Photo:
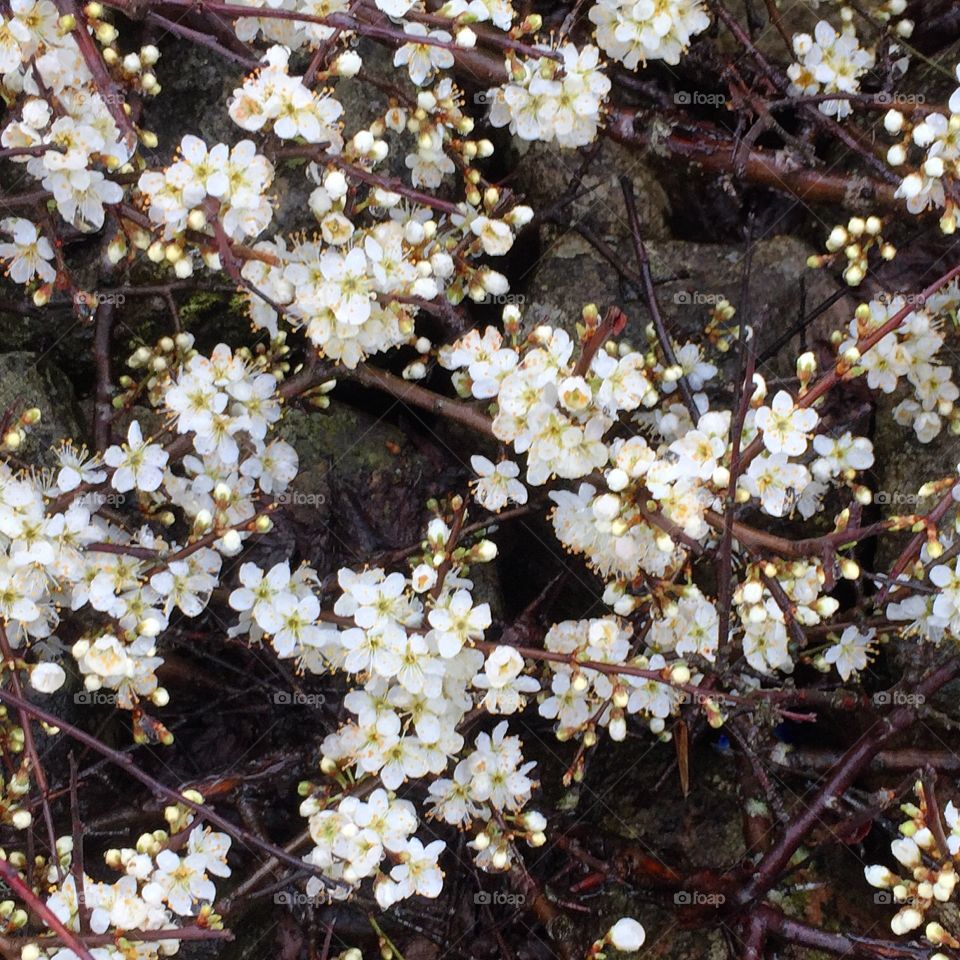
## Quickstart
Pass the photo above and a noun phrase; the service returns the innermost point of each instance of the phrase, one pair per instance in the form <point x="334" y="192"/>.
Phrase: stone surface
<point x="689" y="278"/>
<point x="543" y="172"/>
<point x="359" y="487"/>
<point x="30" y="380"/>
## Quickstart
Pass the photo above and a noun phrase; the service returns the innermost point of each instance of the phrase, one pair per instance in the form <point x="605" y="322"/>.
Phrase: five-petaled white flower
<point x="136" y="464"/>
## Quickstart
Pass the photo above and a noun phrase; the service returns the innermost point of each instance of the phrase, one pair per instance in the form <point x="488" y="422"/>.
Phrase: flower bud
<point x="485" y="551"/>
<point x="231" y="541"/>
<point x="626" y="935"/>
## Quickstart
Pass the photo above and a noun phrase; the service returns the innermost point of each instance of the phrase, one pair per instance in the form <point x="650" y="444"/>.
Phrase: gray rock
<point x="354" y="495"/>
<point x="29" y="380"/>
<point x="544" y="171"/>
<point x="690" y="278"/>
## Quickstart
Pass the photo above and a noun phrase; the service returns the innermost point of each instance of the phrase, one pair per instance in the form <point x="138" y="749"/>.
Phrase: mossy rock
<point x="362" y="485"/>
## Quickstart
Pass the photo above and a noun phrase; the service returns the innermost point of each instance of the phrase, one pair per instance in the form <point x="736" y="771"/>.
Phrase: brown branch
<point x="168" y="793"/>
<point x="417" y="396"/>
<point x="650" y="295"/>
<point x="36" y="767"/>
<point x="109" y="91"/>
<point x="854" y="761"/>
<point x="37" y="907"/>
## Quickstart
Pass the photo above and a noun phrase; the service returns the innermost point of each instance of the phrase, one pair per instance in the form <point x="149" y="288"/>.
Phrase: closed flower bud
<point x="626" y="935"/>
<point x="106" y="33"/>
<point x="752" y="591"/>
<point x="837" y="239"/>
<point x="881" y="877"/>
<point x="485" y="551"/>
<point x="618" y="727"/>
<point x="617" y="479"/>
<point x="906" y="920"/>
<point x="348" y="64"/>
<point x="606" y="506"/>
<point x="21" y="819"/>
<point x="231" y="541"/>
<point x="849" y="569"/>
<point x="896" y="155"/>
<point x="680" y="674"/>
<point x="893" y="121"/>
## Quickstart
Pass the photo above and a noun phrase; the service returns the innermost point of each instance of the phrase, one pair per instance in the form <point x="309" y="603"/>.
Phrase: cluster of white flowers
<point x="688" y="626"/>
<point x="159" y="886"/>
<point x="271" y="97"/>
<point x="545" y="407"/>
<point x="491" y="784"/>
<point x="357" y="293"/>
<point x="829" y="62"/>
<point x="931" y="876"/>
<point x="350" y="302"/>
<point x="354" y="837"/>
<point x="910" y="351"/>
<point x="766" y="629"/>
<point x="582" y="698"/>
<point x="936" y="139"/>
<point x="634" y="32"/>
<point x="51" y="525"/>
<point x="498" y="12"/>
<point x="550" y="100"/>
<point x="409" y="640"/>
<point x="234" y="178"/>
<point x="39" y="60"/>
<point x="658" y="497"/>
